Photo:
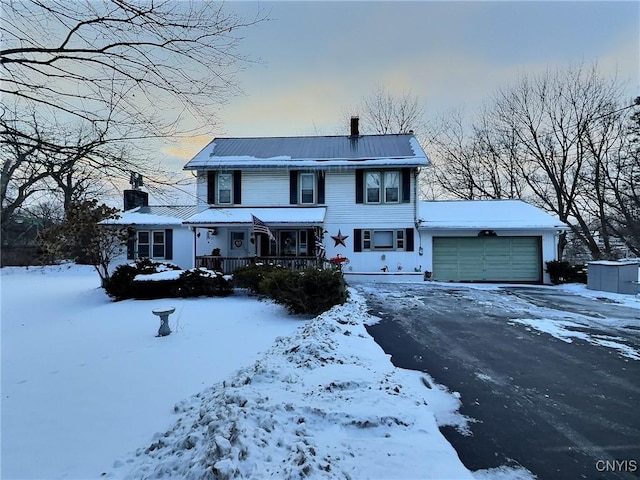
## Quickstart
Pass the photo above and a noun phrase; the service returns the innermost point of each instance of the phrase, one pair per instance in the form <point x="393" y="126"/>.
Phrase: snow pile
<point x="325" y="402"/>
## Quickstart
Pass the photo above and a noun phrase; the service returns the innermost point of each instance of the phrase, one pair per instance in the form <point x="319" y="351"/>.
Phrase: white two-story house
<point x="347" y="197"/>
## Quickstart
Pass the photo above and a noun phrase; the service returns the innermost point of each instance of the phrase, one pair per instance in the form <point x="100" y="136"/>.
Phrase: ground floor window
<point x="288" y="243"/>
<point x="238" y="241"/>
<point x="151" y="244"/>
<point x="383" y="239"/>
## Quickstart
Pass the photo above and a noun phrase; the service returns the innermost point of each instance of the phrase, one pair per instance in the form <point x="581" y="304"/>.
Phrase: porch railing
<point x="228" y="264"/>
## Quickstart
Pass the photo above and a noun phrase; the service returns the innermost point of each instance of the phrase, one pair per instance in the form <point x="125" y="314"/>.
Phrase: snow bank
<point x="325" y="402"/>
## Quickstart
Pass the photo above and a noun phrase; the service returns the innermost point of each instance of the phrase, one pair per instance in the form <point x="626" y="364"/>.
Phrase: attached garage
<point x="487" y="259"/>
<point x="487" y="241"/>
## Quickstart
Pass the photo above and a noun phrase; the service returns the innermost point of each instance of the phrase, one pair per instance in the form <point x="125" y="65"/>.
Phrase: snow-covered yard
<point x="89" y="391"/>
<point x="240" y="388"/>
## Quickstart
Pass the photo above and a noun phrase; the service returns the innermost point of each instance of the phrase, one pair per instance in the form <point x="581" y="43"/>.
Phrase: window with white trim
<point x="391" y="187"/>
<point x="224" y="188"/>
<point x="383" y="240"/>
<point x="382" y="187"/>
<point x="151" y="244"/>
<point x="307" y="188"/>
<point x="372" y="182"/>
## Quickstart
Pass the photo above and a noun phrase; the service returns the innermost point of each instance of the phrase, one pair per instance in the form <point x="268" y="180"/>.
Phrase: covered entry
<point x="487" y="259"/>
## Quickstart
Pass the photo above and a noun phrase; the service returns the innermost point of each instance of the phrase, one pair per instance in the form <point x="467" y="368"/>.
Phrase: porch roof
<point x="272" y="216"/>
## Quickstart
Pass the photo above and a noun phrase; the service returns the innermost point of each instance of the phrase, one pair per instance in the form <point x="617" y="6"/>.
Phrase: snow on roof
<point x="486" y="214"/>
<point x="616" y="263"/>
<point x="155" y="215"/>
<point x="309" y="152"/>
<point x="282" y="215"/>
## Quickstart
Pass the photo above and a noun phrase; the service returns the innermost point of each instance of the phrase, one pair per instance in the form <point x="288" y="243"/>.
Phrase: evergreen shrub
<point x="311" y="291"/>
<point x="564" y="272"/>
<point x="249" y="277"/>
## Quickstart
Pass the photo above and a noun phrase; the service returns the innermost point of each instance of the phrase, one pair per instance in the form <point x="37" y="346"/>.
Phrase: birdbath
<point x="164" y="313"/>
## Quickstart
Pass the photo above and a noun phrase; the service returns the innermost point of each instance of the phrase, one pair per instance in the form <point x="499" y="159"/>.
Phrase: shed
<point x="612" y="276"/>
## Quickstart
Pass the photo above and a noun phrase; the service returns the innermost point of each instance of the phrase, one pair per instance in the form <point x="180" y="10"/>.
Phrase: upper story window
<point x="391" y="187"/>
<point x="373" y="181"/>
<point x="224" y="188"/>
<point x="382" y="186"/>
<point x="225" y="184"/>
<point x="307" y="188"/>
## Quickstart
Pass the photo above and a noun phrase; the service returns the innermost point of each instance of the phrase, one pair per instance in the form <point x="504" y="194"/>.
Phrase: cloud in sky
<point x="319" y="58"/>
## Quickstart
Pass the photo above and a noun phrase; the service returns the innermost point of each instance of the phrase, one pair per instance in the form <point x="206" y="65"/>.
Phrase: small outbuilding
<point x="613" y="276"/>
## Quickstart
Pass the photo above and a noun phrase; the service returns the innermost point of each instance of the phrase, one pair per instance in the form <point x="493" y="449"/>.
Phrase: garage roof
<point x="485" y="214"/>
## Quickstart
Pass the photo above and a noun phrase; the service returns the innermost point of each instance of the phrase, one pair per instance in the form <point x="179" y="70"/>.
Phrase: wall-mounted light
<point x="421" y="251"/>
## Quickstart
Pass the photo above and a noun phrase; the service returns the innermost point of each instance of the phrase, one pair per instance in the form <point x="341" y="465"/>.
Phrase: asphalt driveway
<point x="550" y="381"/>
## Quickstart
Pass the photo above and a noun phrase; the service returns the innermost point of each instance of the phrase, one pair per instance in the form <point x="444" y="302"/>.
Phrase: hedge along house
<point x="488" y="240"/>
<point x="351" y="196"/>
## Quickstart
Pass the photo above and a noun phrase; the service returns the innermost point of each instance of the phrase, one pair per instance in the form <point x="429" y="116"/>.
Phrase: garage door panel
<point x="492" y="259"/>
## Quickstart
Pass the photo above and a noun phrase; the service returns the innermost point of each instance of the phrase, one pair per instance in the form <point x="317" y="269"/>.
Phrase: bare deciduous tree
<point x="128" y="62"/>
<point x="556" y="140"/>
<point x="88" y="84"/>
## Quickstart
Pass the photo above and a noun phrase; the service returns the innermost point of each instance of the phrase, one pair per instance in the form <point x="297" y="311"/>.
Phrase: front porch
<point x="227" y="265"/>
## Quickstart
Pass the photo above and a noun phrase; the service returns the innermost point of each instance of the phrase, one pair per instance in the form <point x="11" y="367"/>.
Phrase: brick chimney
<point x="355" y="130"/>
<point x="135" y="198"/>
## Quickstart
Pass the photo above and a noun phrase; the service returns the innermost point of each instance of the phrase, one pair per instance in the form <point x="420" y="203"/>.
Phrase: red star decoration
<point x="339" y="239"/>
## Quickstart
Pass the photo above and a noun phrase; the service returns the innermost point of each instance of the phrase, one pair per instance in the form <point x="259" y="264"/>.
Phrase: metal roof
<point x="178" y="211"/>
<point x="154" y="215"/>
<point x="321" y="151"/>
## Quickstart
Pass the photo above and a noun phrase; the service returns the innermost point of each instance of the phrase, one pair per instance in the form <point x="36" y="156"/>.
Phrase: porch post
<point x="195" y="253"/>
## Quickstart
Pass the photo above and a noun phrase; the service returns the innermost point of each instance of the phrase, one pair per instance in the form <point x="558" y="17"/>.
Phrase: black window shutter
<point x="131" y="247"/>
<point x="293" y="187"/>
<point x="406" y="185"/>
<point x="320" y="187"/>
<point x="211" y="188"/>
<point x="408" y="239"/>
<point x="168" y="244"/>
<point x="237" y="187"/>
<point x="357" y="239"/>
<point x="359" y="186"/>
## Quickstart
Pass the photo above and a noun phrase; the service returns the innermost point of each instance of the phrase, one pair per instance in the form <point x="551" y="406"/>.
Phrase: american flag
<point x="320" y="251"/>
<point x="260" y="227"/>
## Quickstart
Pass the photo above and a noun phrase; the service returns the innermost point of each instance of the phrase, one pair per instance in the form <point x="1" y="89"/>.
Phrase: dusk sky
<point x="318" y="59"/>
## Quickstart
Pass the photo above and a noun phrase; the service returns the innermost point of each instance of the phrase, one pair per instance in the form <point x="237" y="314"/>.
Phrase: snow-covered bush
<point x="120" y="285"/>
<point x="201" y="282"/>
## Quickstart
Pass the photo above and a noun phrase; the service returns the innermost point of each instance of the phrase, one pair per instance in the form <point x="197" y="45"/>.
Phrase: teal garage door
<point x="487" y="259"/>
